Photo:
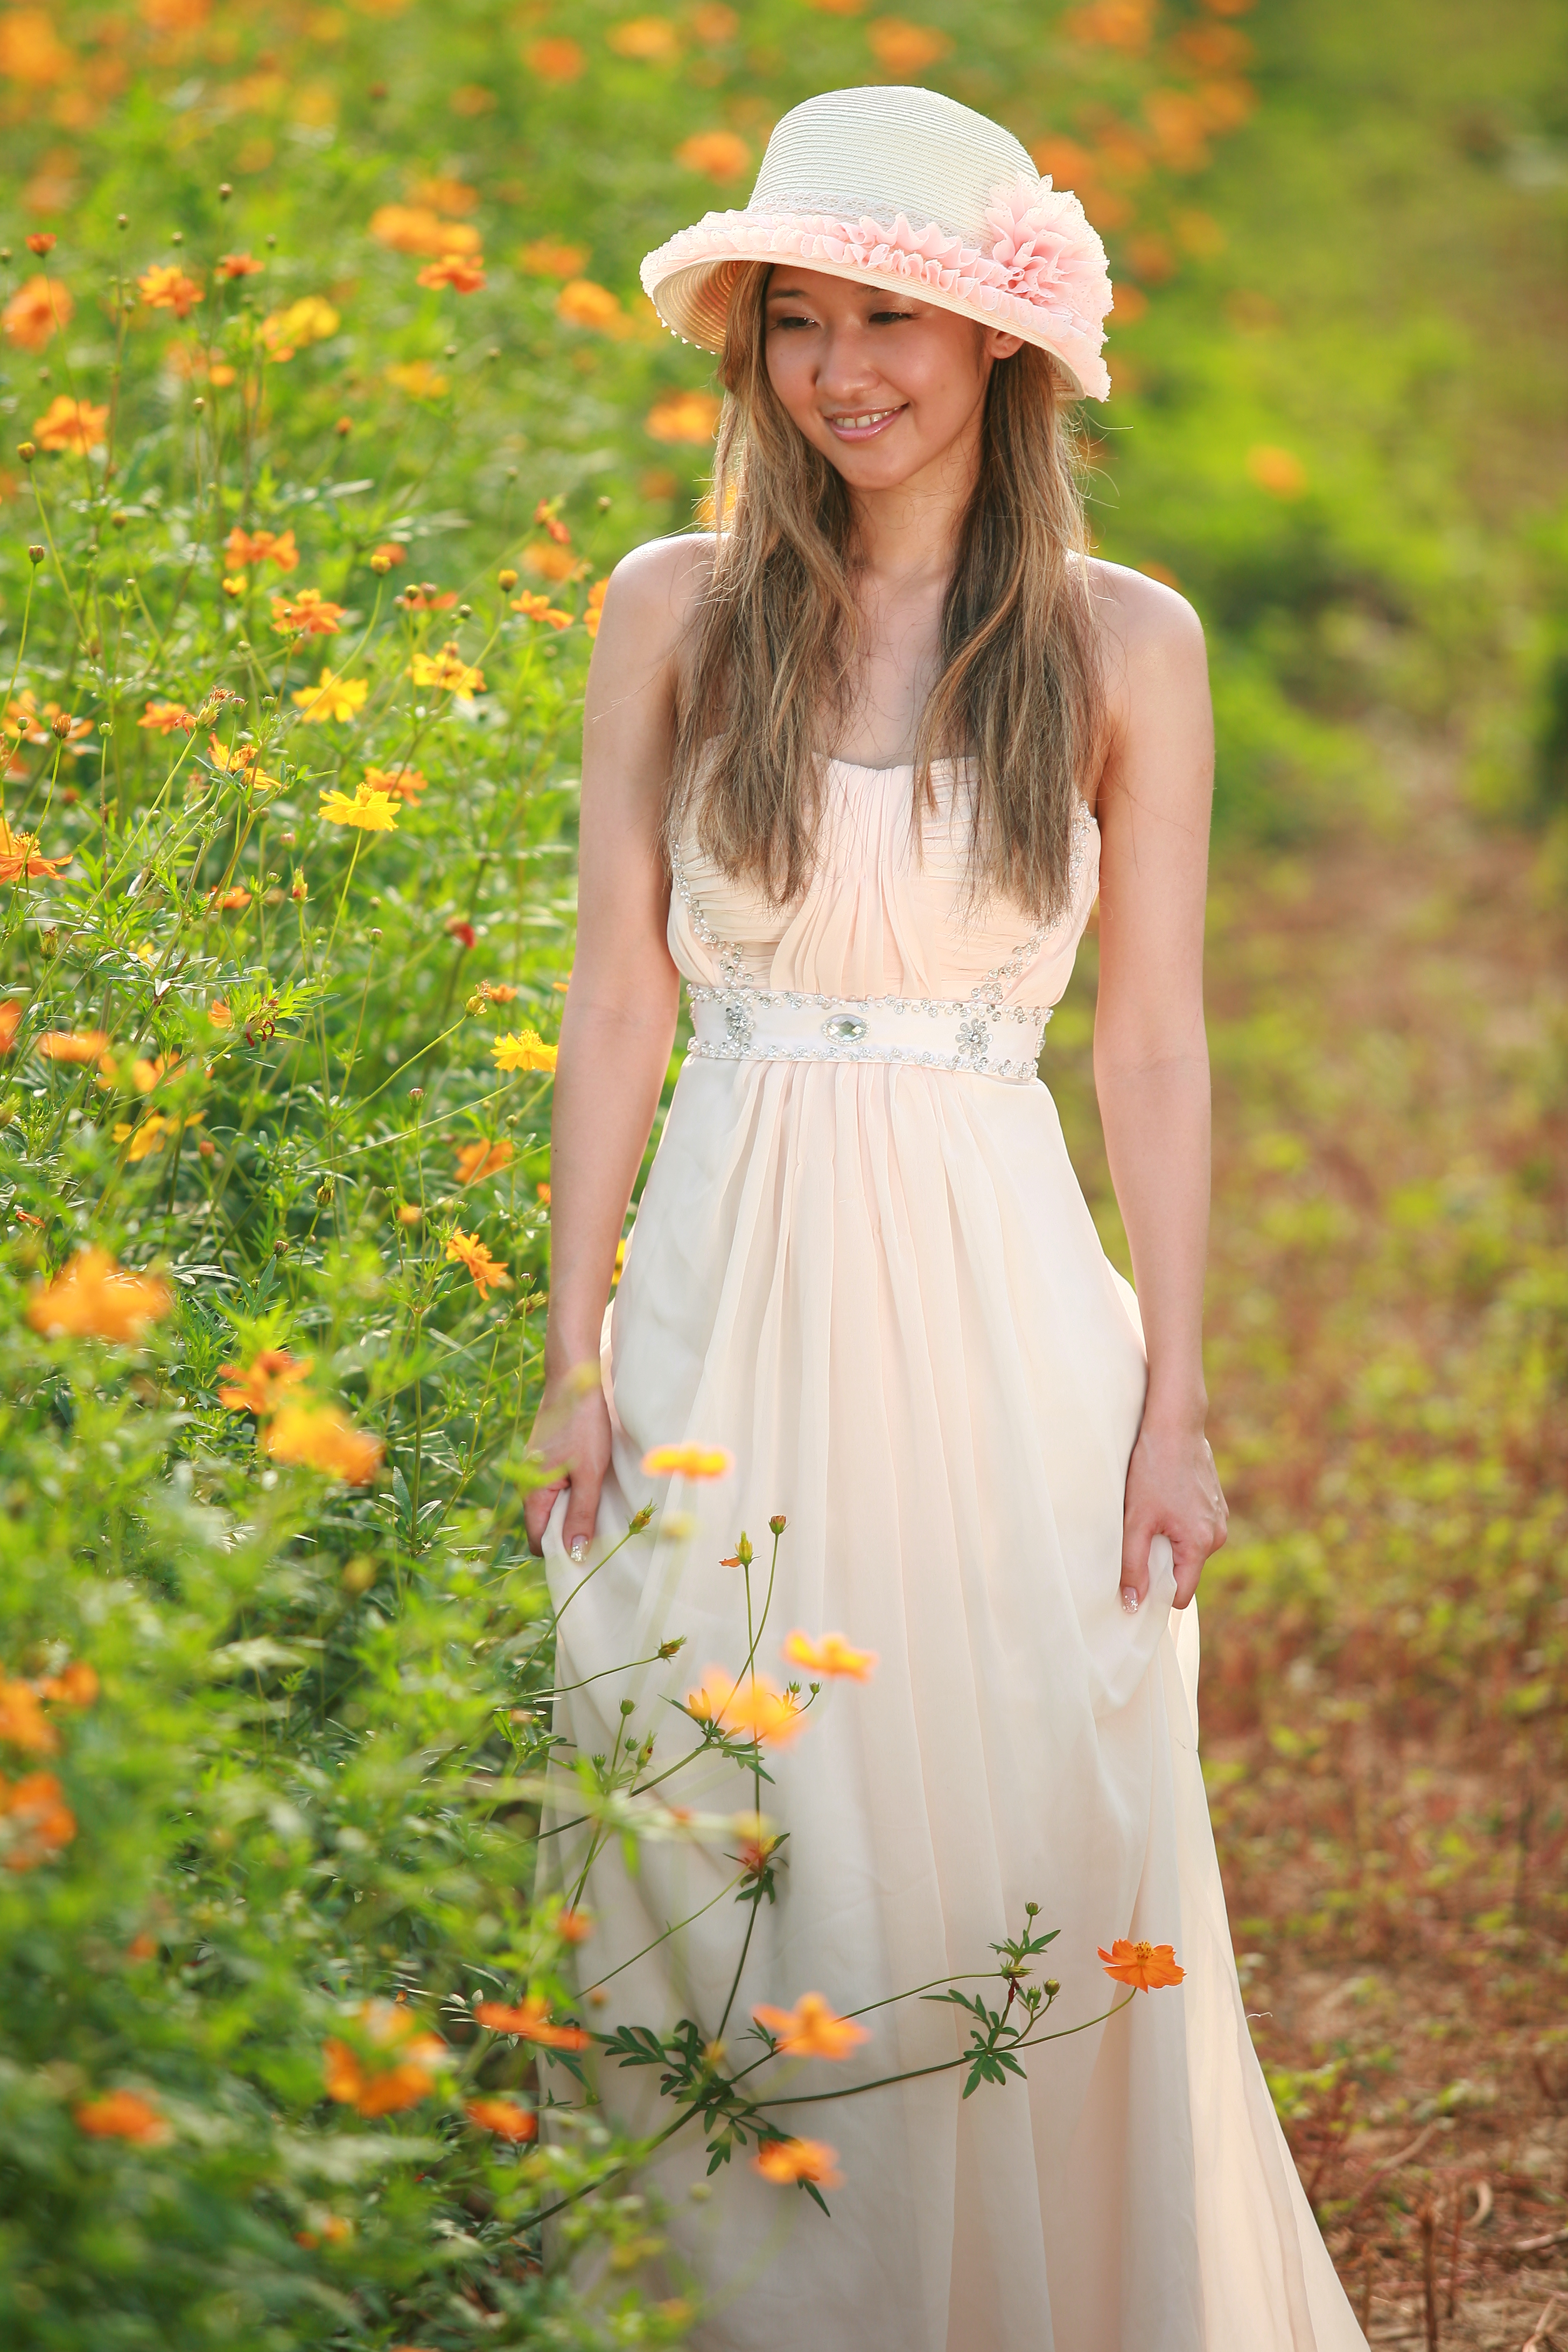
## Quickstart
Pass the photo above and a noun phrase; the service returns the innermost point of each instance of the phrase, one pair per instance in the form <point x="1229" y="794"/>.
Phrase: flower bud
<point x="639" y="1519"/>
<point x="1052" y="1987"/>
<point x="34" y="555"/>
<point x="26" y="452"/>
<point x="119" y="519"/>
<point x="744" y="1551"/>
<point x="506" y="581"/>
<point x="326" y="1192"/>
<point x="474" y="1004"/>
<point x="669" y="1649"/>
<point x="381" y="563"/>
<point x="224" y="192"/>
<point x="297" y="889"/>
<point x="198" y="404"/>
<point x="777" y="1525"/>
<point x="60" y="725"/>
<point x="359" y="1573"/>
<point x="343" y="427"/>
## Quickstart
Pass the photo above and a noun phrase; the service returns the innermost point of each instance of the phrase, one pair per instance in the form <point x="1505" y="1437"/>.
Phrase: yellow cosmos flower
<point x="146" y="1138"/>
<point x="831" y="1655"/>
<point x="687" y="1462"/>
<point x="369" y="810"/>
<point x="448" y="671"/>
<point x="524" y="1049"/>
<point x="331" y="698"/>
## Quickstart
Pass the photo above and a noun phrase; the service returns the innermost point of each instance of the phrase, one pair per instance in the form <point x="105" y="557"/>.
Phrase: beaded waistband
<point x="743" y="1024"/>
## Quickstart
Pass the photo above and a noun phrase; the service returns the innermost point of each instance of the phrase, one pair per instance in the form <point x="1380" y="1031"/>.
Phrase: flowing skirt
<point x="881" y="1289"/>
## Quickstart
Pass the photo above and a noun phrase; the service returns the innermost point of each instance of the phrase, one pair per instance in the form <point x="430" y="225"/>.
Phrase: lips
<point x="863" y="425"/>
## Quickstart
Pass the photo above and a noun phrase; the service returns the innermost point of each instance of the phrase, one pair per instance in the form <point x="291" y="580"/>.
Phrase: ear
<point x="1000" y="346"/>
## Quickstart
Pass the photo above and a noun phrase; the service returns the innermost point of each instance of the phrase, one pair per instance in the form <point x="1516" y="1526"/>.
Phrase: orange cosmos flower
<point x="10" y="1022"/>
<point x="383" y="2090"/>
<point x="582" y="303"/>
<point x="1145" y="1966"/>
<point x="165" y="287"/>
<point x="35" y="311"/>
<point x="535" y="607"/>
<point x="498" y="991"/>
<point x="41" y="241"/>
<point x="76" y="1685"/>
<point x="62" y="1046"/>
<point x="75" y="425"/>
<point x="124" y="2115"/>
<point x="447" y="671"/>
<point x="544" y="258"/>
<point x="389" y="552"/>
<point x="418" y="379"/>
<point x="651" y="39"/>
<point x="574" y="1926"/>
<point x="168" y="718"/>
<point x="554" y="59"/>
<point x="467" y="1249"/>
<point x="905" y="50"/>
<point x="95" y="1299"/>
<point x="530" y="2020"/>
<point x="239" y="264"/>
<point x="417" y="229"/>
<point x="307" y="614"/>
<point x="687" y="1461"/>
<point x="753" y="1710"/>
<point x="247" y="547"/>
<point x="331" y="697"/>
<point x="811" y="2029"/>
<point x="831" y="1655"/>
<point x="319" y="1436"/>
<point x="447" y="195"/>
<point x="786" y="2160"/>
<point x="719" y="155"/>
<point x="477" y="1160"/>
<point x="1278" y="471"/>
<point x="595" y="607"/>
<point x="684" y="416"/>
<point x="19" y="858"/>
<point x="506" y="2117"/>
<point x="400" y="784"/>
<point x="523" y="1049"/>
<point x="34" y="1820"/>
<point x="368" y="812"/>
<point x="239" y="760"/>
<point x="463" y="272"/>
<point x="22" y="1723"/>
<point x="261" y="1386"/>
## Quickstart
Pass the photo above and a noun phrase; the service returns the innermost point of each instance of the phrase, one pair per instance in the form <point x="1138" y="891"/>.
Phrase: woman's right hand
<point x="571" y="1439"/>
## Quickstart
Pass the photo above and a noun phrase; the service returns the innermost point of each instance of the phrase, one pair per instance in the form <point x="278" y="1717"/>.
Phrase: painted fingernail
<point x="1129" y="1601"/>
<point x="579" y="1553"/>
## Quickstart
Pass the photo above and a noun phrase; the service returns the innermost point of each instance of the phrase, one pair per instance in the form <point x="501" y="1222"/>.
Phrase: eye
<point x="784" y="319"/>
<point x="889" y="317"/>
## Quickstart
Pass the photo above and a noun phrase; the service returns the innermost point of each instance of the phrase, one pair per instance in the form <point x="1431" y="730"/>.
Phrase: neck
<point x="910" y="532"/>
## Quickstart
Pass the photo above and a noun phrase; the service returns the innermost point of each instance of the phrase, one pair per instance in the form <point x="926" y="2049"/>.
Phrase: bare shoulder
<point x="1145" y="623"/>
<point x="651" y="594"/>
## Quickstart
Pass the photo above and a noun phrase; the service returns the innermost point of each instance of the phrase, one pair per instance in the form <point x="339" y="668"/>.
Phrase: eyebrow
<point x="787" y="294"/>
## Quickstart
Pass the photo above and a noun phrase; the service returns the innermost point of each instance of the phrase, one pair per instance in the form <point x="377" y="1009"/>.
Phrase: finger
<point x="582" y="1515"/>
<point x="536" y="1513"/>
<point x="1189" y="1565"/>
<point x="1135" y="1543"/>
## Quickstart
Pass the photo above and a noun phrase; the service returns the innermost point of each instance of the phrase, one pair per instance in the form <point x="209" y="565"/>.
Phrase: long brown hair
<point x="772" y="664"/>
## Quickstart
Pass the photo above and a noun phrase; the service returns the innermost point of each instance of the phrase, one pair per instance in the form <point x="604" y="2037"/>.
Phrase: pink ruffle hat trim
<point x="904" y="188"/>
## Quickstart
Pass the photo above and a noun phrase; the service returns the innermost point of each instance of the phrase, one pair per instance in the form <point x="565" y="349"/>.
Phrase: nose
<point x="846" y="368"/>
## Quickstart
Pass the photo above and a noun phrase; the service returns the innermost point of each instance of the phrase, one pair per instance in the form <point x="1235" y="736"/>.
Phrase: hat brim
<point x="693" y="300"/>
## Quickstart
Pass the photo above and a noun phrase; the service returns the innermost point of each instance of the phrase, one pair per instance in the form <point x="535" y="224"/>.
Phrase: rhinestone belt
<point x="742" y="1024"/>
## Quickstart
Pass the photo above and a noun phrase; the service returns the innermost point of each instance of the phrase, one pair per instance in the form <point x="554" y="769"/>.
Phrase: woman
<point x="855" y="767"/>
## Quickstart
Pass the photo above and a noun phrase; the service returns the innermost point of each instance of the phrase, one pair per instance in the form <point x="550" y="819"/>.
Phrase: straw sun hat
<point x="906" y="189"/>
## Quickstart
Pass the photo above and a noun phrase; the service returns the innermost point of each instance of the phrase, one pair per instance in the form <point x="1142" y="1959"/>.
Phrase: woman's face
<point x="884" y="386"/>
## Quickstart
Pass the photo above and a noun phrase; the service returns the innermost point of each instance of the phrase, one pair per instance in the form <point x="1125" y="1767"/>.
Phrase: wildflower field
<point x="330" y="401"/>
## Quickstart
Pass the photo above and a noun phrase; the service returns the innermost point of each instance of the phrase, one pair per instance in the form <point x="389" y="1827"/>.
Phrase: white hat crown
<point x="887" y="152"/>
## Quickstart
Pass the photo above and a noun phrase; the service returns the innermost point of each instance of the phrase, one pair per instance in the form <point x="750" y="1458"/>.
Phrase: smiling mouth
<point x="863" y="424"/>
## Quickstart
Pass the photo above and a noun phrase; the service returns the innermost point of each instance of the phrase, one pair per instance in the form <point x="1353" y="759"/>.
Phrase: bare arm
<point x="1151" y="1053"/>
<point x="620" y="1013"/>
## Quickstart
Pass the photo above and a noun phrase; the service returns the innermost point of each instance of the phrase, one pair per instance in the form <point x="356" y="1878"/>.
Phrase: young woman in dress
<point x="855" y="767"/>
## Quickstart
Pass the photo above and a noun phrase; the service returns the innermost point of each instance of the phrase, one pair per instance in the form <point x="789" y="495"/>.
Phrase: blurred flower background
<point x="330" y="399"/>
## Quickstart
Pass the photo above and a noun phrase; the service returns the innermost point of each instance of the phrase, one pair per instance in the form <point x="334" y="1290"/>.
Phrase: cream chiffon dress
<point x="875" y="1282"/>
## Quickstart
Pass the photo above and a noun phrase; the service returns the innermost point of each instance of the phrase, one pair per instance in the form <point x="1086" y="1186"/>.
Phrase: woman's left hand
<point x="1173" y="1489"/>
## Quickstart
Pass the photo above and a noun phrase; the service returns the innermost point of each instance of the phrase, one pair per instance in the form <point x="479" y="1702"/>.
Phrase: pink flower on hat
<point x="1049" y="253"/>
